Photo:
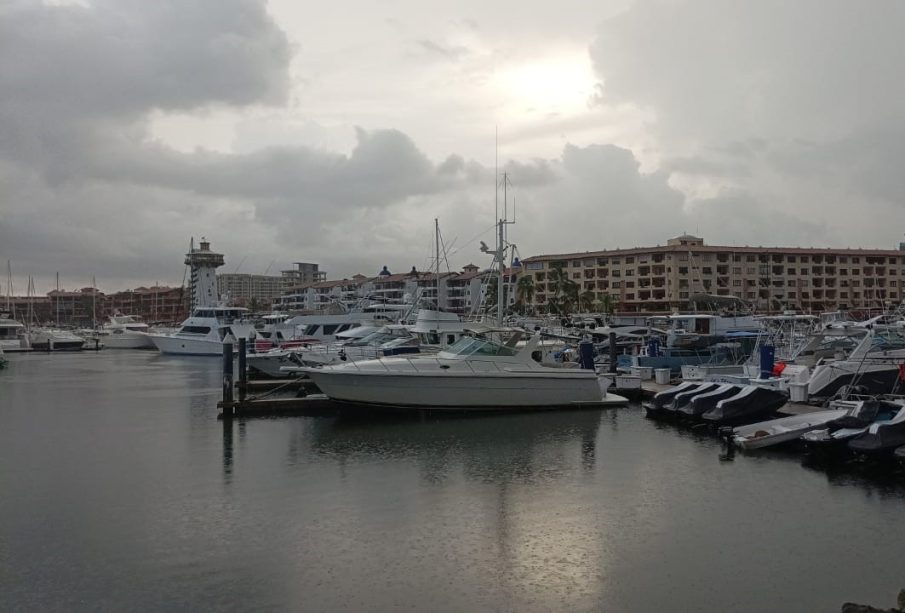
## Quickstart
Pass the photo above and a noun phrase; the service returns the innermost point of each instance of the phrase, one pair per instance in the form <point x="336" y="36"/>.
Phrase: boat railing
<point x="413" y="365"/>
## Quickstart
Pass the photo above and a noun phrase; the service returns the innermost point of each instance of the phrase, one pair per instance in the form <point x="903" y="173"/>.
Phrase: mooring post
<point x="227" y="378"/>
<point x="613" y="356"/>
<point x="243" y="374"/>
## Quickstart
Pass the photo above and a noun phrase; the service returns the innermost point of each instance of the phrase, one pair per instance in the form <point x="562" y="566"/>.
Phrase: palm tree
<point x="606" y="304"/>
<point x="586" y="300"/>
<point x="525" y="290"/>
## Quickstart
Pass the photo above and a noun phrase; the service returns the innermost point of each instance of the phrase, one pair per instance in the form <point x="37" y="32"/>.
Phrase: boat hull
<point x="128" y="340"/>
<point x="457" y="392"/>
<point x="179" y="345"/>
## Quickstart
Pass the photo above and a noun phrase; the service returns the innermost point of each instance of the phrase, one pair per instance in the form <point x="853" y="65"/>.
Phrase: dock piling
<point x="227" y="379"/>
<point x="243" y="373"/>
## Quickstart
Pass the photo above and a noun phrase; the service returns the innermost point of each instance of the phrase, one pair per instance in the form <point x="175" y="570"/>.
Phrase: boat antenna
<point x="437" y="253"/>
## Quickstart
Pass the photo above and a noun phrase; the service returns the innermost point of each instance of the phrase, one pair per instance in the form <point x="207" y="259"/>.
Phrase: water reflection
<point x="490" y="448"/>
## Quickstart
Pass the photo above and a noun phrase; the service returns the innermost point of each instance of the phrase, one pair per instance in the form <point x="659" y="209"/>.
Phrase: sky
<point x="337" y="132"/>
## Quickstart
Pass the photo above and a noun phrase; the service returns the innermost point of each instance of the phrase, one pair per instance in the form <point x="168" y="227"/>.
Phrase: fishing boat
<point x="205" y="332"/>
<point x="782" y="430"/>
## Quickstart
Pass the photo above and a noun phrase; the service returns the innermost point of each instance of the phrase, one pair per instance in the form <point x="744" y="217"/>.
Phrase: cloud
<point x="796" y="105"/>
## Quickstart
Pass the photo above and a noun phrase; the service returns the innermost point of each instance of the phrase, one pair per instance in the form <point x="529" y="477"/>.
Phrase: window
<point x="737" y="270"/>
<point x="576" y="275"/>
<point x="195" y="329"/>
<point x="629" y="260"/>
<point x="750" y="258"/>
<point x="737" y="283"/>
<point x="683" y="270"/>
<point x="535" y="266"/>
<point x="790" y="271"/>
<point x="790" y="259"/>
<point x="576" y="263"/>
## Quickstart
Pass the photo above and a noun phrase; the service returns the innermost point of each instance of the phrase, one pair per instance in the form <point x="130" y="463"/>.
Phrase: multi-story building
<point x="156" y="304"/>
<point x="304" y="273"/>
<point x="771" y="279"/>
<point x="258" y="291"/>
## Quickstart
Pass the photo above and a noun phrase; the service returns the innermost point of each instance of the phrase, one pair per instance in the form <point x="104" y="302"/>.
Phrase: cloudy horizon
<point x="337" y="134"/>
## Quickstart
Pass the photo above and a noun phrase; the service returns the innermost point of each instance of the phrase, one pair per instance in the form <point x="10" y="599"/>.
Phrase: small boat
<point x="682" y="399"/>
<point x="703" y="403"/>
<point x="750" y="404"/>
<point x="838" y="432"/>
<point x="881" y="438"/>
<point x="661" y="399"/>
<point x="782" y="430"/>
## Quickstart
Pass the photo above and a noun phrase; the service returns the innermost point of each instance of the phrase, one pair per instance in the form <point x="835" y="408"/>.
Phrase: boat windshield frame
<point x="472" y="346"/>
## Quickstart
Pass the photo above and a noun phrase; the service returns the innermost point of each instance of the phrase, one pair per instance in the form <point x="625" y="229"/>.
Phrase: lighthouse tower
<point x="203" y="263"/>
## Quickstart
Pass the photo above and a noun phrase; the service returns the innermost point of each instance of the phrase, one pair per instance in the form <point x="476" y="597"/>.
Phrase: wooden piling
<point x="243" y="372"/>
<point x="227" y="379"/>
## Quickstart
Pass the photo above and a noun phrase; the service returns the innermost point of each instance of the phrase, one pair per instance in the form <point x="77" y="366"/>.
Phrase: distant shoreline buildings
<point x="638" y="280"/>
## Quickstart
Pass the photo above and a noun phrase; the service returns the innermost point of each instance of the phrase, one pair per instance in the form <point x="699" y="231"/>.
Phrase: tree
<point x="586" y="300"/>
<point x="565" y="291"/>
<point x="606" y="304"/>
<point x="524" y="290"/>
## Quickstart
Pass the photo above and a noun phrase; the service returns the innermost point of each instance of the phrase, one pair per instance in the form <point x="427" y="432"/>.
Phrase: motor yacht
<point x="206" y="331"/>
<point x="13" y="336"/>
<point x="474" y="373"/>
<point x="54" y="339"/>
<point x="125" y="332"/>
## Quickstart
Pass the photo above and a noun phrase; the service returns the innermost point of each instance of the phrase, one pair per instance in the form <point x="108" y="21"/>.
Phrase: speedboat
<point x="54" y="339"/>
<point x="872" y="367"/>
<point x="13" y="336"/>
<point x="881" y="438"/>
<point x="126" y="332"/>
<point x="474" y="373"/>
<point x="270" y="363"/>
<point x="750" y="404"/>
<point x="836" y="434"/>
<point x="206" y="331"/>
<point x="782" y="430"/>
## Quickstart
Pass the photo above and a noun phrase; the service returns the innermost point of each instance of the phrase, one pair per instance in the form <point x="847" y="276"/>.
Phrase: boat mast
<point x="9" y="287"/>
<point x="437" y="255"/>
<point x="93" y="303"/>
<point x="58" y="300"/>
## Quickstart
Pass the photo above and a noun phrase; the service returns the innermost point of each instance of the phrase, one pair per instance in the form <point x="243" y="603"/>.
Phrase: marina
<point x="140" y="494"/>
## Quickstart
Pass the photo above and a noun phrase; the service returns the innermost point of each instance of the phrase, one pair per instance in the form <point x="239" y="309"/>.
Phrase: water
<point x="120" y="490"/>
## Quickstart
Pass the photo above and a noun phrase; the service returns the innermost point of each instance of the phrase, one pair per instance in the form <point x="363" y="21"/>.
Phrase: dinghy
<point x="783" y="430"/>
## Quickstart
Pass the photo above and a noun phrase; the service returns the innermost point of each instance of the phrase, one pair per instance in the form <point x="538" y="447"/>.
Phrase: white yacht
<point x="205" y="332"/>
<point x="54" y="339"/>
<point x="13" y="336"/>
<point x="474" y="373"/>
<point x="125" y="332"/>
<point x="873" y="365"/>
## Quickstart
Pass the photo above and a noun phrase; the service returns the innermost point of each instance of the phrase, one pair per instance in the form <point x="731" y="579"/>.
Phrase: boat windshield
<point x="477" y="346"/>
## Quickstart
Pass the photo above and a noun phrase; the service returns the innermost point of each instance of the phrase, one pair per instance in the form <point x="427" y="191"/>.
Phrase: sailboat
<point x="51" y="338"/>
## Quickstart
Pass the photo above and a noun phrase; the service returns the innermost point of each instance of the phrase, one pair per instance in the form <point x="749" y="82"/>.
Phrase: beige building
<point x="771" y="279"/>
<point x="241" y="289"/>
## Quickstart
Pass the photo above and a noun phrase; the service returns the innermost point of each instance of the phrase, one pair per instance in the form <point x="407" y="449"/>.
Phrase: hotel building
<point x="771" y="279"/>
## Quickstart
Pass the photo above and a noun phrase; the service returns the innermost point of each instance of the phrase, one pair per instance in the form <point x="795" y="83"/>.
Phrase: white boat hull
<point x="12" y="345"/>
<point x="783" y="430"/>
<point x="458" y="392"/>
<point x="127" y="340"/>
<point x="180" y="345"/>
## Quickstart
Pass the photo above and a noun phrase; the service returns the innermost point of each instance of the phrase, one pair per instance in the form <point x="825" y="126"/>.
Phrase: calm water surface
<point x="120" y="490"/>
